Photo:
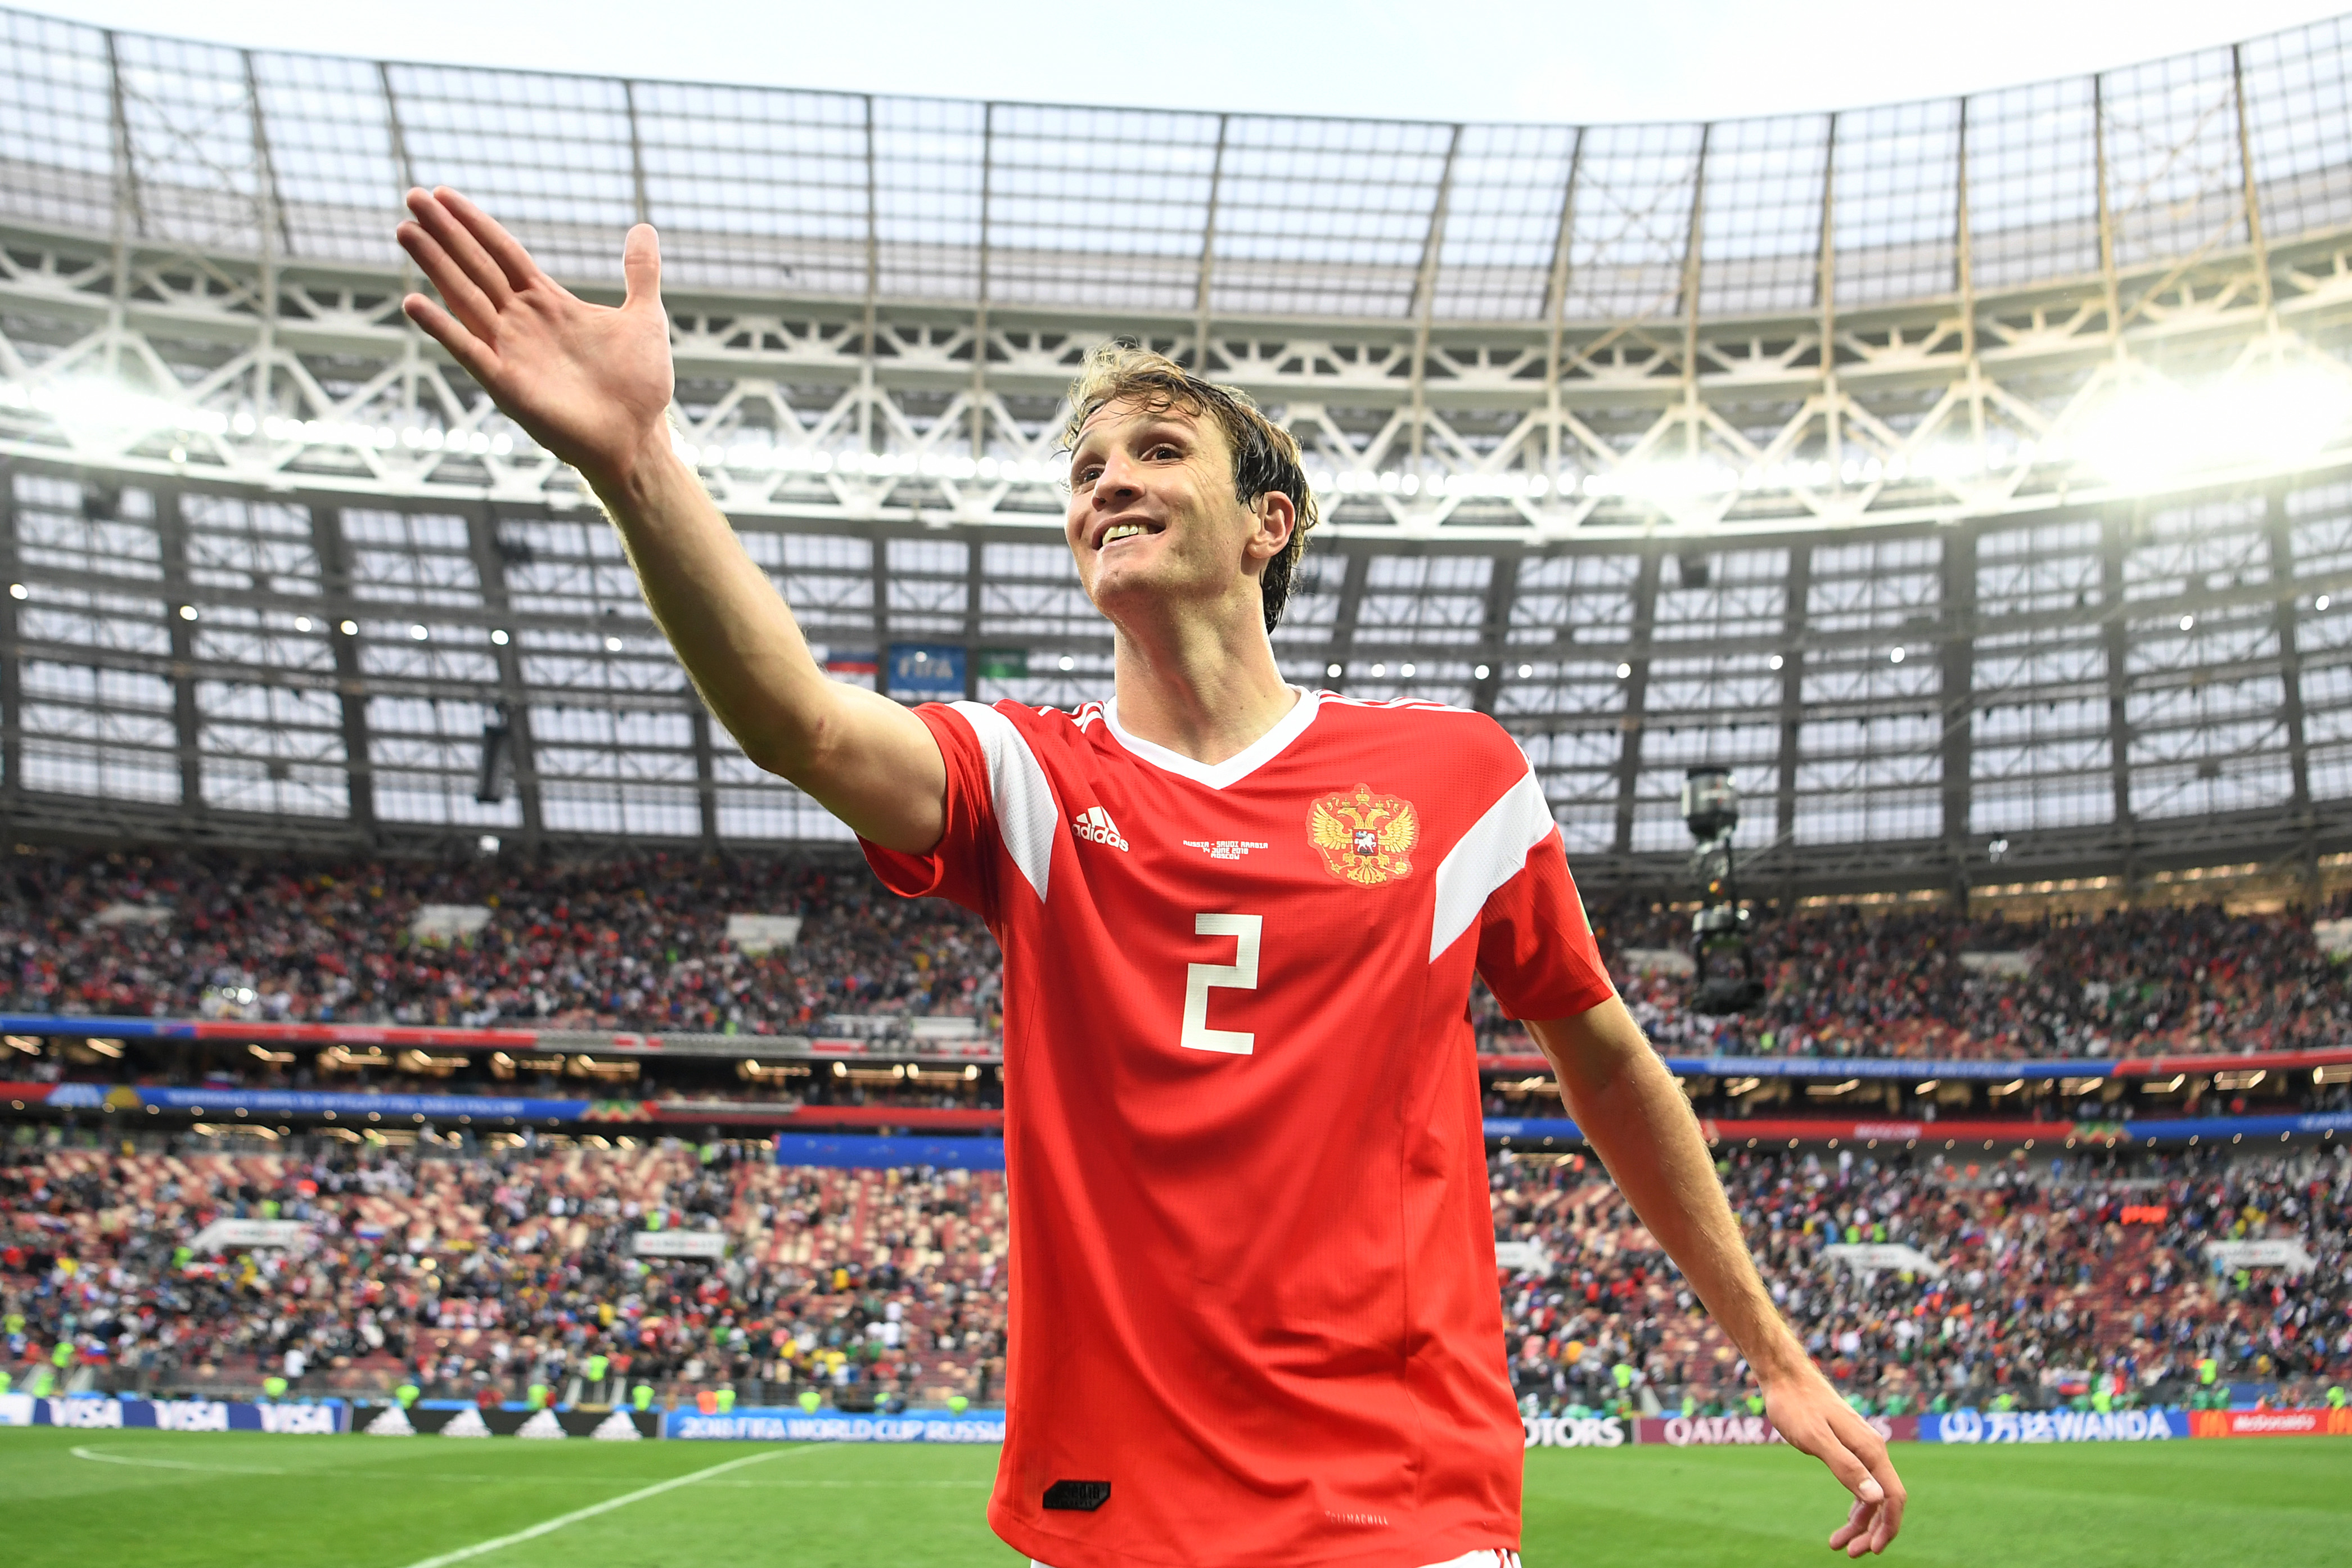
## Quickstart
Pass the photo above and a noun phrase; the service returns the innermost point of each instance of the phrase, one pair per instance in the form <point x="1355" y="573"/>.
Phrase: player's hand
<point x="1809" y="1414"/>
<point x="590" y="383"/>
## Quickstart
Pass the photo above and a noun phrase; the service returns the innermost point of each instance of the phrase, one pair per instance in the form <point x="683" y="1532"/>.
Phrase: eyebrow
<point x="1163" y="418"/>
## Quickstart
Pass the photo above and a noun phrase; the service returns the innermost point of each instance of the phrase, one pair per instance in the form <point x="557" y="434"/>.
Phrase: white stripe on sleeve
<point x="1486" y="857"/>
<point x="1026" y="815"/>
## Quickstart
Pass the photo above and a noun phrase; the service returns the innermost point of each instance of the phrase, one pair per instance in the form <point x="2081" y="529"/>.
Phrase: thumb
<point x="641" y="266"/>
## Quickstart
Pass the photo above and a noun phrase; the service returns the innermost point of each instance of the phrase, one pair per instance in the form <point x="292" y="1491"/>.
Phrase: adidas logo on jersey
<point x="1095" y="823"/>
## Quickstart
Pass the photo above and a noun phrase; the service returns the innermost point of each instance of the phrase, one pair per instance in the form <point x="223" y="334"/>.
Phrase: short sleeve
<point x="962" y="866"/>
<point x="1536" y="949"/>
<point x="1507" y="877"/>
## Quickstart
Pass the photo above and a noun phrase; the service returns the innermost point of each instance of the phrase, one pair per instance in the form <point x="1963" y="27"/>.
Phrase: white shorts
<point x="1489" y="1558"/>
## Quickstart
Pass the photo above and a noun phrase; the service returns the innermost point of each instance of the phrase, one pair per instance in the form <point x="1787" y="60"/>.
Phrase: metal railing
<point x="1189" y="216"/>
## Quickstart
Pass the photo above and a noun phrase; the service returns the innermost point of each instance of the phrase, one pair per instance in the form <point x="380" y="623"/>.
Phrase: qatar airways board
<point x="1747" y="1431"/>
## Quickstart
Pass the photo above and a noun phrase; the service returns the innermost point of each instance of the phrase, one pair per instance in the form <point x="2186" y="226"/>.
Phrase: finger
<point x="513" y="260"/>
<point x="1890" y="1515"/>
<point x="1871" y="1449"/>
<point x="1860" y="1545"/>
<point x="1854" y="1537"/>
<point x="1848" y="1467"/>
<point x="458" y="290"/>
<point x="461" y="244"/>
<point x="450" y="333"/>
<point x="641" y="266"/>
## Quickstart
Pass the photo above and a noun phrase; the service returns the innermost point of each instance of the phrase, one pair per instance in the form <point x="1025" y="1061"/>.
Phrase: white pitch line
<point x="79" y="1453"/>
<point x="546" y="1527"/>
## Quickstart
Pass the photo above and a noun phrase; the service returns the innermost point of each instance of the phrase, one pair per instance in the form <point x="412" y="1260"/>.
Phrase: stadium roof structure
<point x="1972" y="477"/>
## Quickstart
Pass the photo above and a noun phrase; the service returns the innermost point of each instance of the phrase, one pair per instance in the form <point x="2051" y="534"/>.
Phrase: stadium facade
<point x="1972" y="477"/>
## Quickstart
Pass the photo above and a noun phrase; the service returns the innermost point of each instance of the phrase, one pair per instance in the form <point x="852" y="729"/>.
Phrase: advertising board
<point x="679" y="1244"/>
<point x="227" y="1235"/>
<point x="2270" y="1422"/>
<point x="785" y="1425"/>
<point x="1742" y="1431"/>
<point x="878" y="1152"/>
<point x="1874" y="1256"/>
<point x="2055" y="1427"/>
<point x="2282" y="1253"/>
<point x="434" y="1418"/>
<point x="1576" y="1432"/>
<point x="100" y="1414"/>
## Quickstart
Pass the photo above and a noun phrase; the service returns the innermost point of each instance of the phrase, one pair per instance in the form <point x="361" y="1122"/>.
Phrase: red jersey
<point x="1254" y="1308"/>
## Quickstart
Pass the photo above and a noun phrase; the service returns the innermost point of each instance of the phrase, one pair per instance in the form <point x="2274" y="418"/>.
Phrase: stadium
<point x="1911" y="544"/>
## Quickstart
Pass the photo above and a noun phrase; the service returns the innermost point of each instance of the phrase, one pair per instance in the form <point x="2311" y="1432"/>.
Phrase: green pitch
<point x="155" y="1500"/>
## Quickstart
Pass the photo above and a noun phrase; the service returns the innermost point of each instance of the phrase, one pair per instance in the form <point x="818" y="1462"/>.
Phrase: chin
<point x="1113" y="591"/>
<point x="1136" y="586"/>
<point x="1130" y="565"/>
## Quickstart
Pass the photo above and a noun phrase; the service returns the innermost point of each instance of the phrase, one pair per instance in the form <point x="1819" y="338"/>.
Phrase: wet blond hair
<point x="1265" y="456"/>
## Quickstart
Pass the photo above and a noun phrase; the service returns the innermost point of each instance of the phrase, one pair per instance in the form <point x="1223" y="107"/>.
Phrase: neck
<point x="1205" y="689"/>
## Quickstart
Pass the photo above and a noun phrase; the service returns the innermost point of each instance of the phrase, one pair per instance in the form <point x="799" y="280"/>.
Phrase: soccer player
<point x="1254" y="1310"/>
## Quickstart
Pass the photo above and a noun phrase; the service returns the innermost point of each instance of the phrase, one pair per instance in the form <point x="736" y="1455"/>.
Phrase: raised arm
<point x="1626" y="1105"/>
<point x="591" y="385"/>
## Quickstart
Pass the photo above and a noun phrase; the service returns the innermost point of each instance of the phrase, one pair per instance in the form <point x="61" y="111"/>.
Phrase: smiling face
<point x="1155" y="524"/>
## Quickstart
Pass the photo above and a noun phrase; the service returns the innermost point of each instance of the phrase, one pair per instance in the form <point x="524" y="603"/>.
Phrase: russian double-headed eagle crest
<point x="1364" y="838"/>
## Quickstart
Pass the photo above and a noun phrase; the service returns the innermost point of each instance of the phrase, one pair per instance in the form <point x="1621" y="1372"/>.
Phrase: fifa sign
<point x="1575" y="1432"/>
<point x="788" y="1425"/>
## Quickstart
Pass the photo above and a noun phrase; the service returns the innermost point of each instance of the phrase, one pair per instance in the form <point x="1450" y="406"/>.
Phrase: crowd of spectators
<point x="673" y="1083"/>
<point x="2049" y="1282"/>
<point x="1850" y="981"/>
<point x="641" y="944"/>
<point x="630" y="943"/>
<point x="466" y="1267"/>
<point x="459" y="1267"/>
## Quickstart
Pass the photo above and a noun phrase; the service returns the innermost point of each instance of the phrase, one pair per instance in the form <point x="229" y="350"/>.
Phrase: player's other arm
<point x="593" y="385"/>
<point x="1625" y="1103"/>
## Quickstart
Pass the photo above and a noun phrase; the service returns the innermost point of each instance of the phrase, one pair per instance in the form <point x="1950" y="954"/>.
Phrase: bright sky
<point x="1439" y="59"/>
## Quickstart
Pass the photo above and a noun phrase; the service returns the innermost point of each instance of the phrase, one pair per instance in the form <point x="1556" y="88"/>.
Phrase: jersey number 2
<point x="1240" y="974"/>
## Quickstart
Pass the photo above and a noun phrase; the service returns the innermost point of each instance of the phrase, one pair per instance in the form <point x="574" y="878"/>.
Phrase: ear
<point x="1277" y="518"/>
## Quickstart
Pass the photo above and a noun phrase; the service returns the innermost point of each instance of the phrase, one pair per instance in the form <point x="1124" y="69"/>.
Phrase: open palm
<point x="590" y="383"/>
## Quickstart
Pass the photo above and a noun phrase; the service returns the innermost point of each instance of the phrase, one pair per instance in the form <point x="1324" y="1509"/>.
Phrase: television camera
<point x="1725" y="964"/>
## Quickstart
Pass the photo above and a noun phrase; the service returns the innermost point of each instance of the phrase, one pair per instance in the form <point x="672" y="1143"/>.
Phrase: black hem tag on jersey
<point x="1077" y="1497"/>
